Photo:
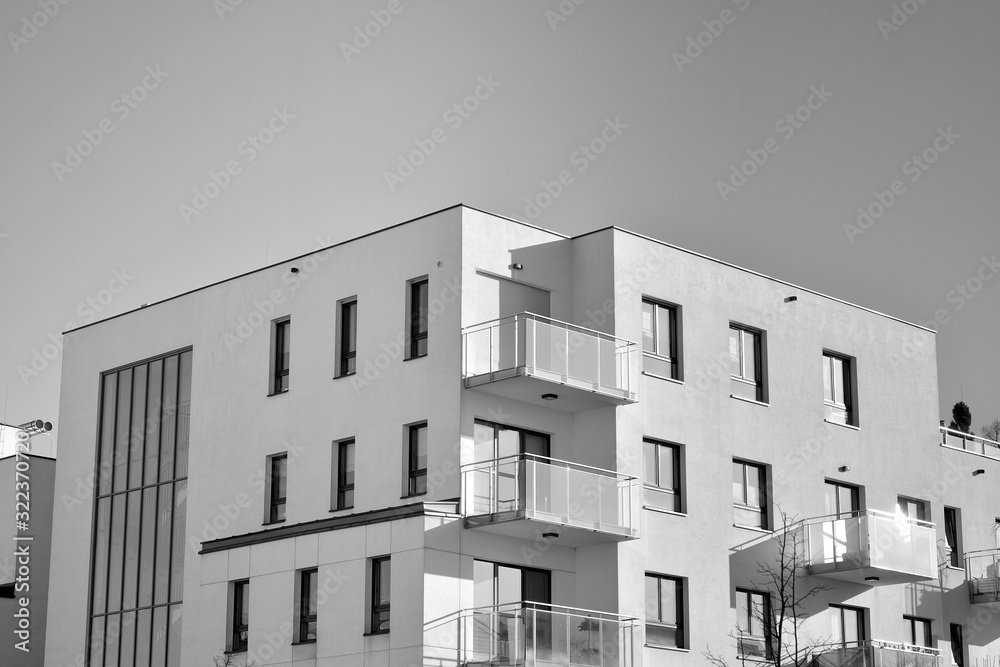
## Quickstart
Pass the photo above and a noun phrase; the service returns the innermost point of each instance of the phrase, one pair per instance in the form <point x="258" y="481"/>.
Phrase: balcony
<point x="969" y="443"/>
<point x="532" y="358"/>
<point x="876" y="653"/>
<point x="873" y="548"/>
<point x="526" y="496"/>
<point x="982" y="571"/>
<point x="531" y="634"/>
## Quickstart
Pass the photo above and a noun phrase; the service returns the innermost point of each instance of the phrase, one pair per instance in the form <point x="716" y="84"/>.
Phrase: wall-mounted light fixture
<point x="844" y="469"/>
<point x="789" y="299"/>
<point x="517" y="266"/>
<point x="976" y="473"/>
<point x="295" y="269"/>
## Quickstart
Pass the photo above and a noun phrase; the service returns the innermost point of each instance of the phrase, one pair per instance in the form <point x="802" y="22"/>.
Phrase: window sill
<point x="756" y="659"/>
<point x="755" y="529"/>
<point x="304" y="642"/>
<point x="661" y="510"/>
<point x="663" y="377"/>
<point x="419" y="356"/>
<point x="277" y="393"/>
<point x="750" y="400"/>
<point x="375" y="634"/>
<point x="955" y="567"/>
<point x="850" y="426"/>
<point x="342" y="509"/>
<point x="344" y="375"/>
<point x="237" y="652"/>
<point x="273" y="523"/>
<point x="668" y="648"/>
<point x="413" y="495"/>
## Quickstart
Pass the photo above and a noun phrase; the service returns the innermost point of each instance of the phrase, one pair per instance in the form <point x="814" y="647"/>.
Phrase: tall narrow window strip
<point x="348" y="337"/>
<point x="837" y="389"/>
<point x="750" y="494"/>
<point x="746" y="364"/>
<point x="241" y="616"/>
<point x="308" y="605"/>
<point x="952" y="529"/>
<point x="279" y="487"/>
<point x="381" y="578"/>
<point x="417" y="464"/>
<point x="662" y="478"/>
<point x="418" y="318"/>
<point x="345" y="475"/>
<point x="664" y="611"/>
<point x="919" y="631"/>
<point x="282" y="350"/>
<point x="140" y="522"/>
<point x="754" y="622"/>
<point x="957" y="645"/>
<point x="659" y="339"/>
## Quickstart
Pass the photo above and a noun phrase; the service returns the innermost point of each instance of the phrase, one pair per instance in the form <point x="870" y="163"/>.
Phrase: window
<point x="282" y="346"/>
<point x="914" y="509"/>
<point x="848" y="625"/>
<point x="918" y="631"/>
<point x="754" y="623"/>
<point x="417" y="460"/>
<point x="749" y="494"/>
<point x="957" y="645"/>
<point x="345" y="475"/>
<point x="307" y="605"/>
<point x="241" y="616"/>
<point x="664" y="611"/>
<point x="348" y="336"/>
<point x="659" y="339"/>
<point x="838" y="389"/>
<point x="662" y="475"/>
<point x="953" y="535"/>
<point x="380" y="595"/>
<point x="842" y="500"/>
<point x="418" y="318"/>
<point x="747" y="368"/>
<point x="279" y="487"/>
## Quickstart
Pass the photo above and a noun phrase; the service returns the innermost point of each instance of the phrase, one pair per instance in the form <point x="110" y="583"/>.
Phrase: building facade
<point x="465" y="440"/>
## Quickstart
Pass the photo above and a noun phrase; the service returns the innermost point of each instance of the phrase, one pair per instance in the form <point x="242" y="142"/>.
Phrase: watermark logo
<point x="697" y="44"/>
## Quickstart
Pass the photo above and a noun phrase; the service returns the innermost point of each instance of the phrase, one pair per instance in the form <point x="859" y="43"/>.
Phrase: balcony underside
<point x="527" y="385"/>
<point x="858" y="574"/>
<point x="576" y="534"/>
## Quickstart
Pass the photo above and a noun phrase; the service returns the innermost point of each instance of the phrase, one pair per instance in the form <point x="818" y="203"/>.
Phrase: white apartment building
<point x="465" y="440"/>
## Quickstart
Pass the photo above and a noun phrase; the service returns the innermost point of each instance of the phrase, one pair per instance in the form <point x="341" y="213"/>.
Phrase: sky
<point x="152" y="148"/>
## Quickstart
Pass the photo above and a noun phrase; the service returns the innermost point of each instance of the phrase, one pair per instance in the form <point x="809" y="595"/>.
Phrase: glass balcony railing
<point x="875" y="653"/>
<point x="969" y="442"/>
<point x="526" y="486"/>
<point x="982" y="571"/>
<point x="878" y="546"/>
<point x="534" y="346"/>
<point x="531" y="634"/>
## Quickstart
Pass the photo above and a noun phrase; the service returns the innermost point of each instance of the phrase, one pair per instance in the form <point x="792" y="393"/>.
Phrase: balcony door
<point x="504" y="632"/>
<point x="841" y="532"/>
<point x="507" y="479"/>
<point x="848" y="625"/>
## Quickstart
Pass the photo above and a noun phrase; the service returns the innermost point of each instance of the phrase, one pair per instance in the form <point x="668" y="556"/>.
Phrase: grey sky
<point x="309" y="117"/>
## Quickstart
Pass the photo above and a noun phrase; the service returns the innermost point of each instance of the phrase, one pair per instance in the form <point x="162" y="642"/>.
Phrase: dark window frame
<point x="680" y="627"/>
<point x="347" y="359"/>
<point x="277" y="504"/>
<point x="923" y="505"/>
<point x="377" y="610"/>
<point x="759" y="381"/>
<point x="765" y="498"/>
<point x="765" y="620"/>
<point x="915" y="622"/>
<point x="847" y="381"/>
<point x="862" y="629"/>
<point x="343" y="486"/>
<point x="677" y="488"/>
<point x="419" y="318"/>
<point x="957" y="644"/>
<point x="672" y="356"/>
<point x="416" y="478"/>
<point x="953" y="535"/>
<point x="280" y="373"/>
<point x="238" y="631"/>
<point x="308" y="588"/>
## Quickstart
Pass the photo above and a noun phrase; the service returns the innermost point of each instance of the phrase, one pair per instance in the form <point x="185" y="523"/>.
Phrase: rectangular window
<point x="848" y="625"/>
<point x="914" y="509"/>
<point x="957" y="645"/>
<point x="918" y="631"/>
<point x="841" y="500"/>
<point x="837" y="389"/>
<point x="664" y="611"/>
<point x="307" y="605"/>
<point x="749" y="494"/>
<point x="380" y="595"/>
<point x="278" y="479"/>
<point x="282" y="347"/>
<point x="345" y="475"/>
<point x="746" y="363"/>
<point x="953" y="535"/>
<point x="241" y="616"/>
<point x="418" y="318"/>
<point x="754" y="623"/>
<point x="348" y="337"/>
<point x="659" y="339"/>
<point x="417" y="460"/>
<point x="662" y="475"/>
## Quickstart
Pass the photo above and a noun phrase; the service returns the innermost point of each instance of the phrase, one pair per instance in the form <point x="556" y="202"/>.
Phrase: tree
<point x="784" y="579"/>
<point x="991" y="431"/>
<point x="226" y="660"/>
<point x="961" y="418"/>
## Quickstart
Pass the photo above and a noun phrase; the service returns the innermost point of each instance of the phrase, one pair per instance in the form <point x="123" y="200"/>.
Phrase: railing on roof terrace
<point x="982" y="571"/>
<point x="969" y="442"/>
<point x="875" y="653"/>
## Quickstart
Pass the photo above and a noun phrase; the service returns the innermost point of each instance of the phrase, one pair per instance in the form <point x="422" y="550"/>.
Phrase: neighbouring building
<point x="466" y="440"/>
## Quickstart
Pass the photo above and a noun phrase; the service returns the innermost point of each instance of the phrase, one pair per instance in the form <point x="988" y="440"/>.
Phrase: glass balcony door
<point x="507" y="444"/>
<point x="503" y="629"/>
<point x="841" y="535"/>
